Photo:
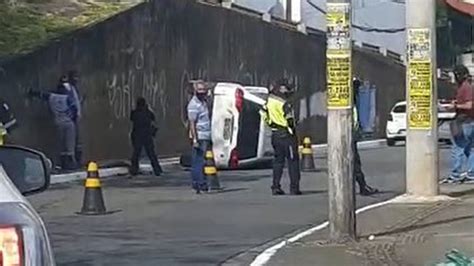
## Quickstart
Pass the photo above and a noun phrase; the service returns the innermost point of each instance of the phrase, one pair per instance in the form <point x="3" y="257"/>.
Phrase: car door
<point x="257" y="97"/>
<point x="400" y="117"/>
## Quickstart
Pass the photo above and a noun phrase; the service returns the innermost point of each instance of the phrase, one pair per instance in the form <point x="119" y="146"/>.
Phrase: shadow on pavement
<point x="309" y="192"/>
<point x="227" y="190"/>
<point x="171" y="181"/>
<point x="458" y="194"/>
<point x="175" y="179"/>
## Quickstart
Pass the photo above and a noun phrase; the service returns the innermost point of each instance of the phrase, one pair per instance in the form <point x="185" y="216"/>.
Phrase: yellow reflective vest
<point x="275" y="115"/>
<point x="3" y="133"/>
<point x="355" y="117"/>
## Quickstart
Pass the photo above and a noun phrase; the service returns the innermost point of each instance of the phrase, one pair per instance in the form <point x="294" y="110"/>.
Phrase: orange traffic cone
<point x="307" y="160"/>
<point x="210" y="172"/>
<point x="93" y="203"/>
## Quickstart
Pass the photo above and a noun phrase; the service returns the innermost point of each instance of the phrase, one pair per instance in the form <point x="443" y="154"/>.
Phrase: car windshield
<point x="399" y="109"/>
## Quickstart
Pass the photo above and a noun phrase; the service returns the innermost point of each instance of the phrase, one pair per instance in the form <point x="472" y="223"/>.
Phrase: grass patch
<point x="24" y="28"/>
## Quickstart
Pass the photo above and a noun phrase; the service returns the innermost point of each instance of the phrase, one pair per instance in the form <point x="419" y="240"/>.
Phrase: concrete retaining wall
<point x="153" y="50"/>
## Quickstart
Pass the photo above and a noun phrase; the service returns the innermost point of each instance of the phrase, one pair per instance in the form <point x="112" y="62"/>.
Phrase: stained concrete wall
<point x="153" y="50"/>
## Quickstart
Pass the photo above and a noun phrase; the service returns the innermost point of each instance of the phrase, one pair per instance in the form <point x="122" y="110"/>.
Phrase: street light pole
<point x="422" y="114"/>
<point x="342" y="223"/>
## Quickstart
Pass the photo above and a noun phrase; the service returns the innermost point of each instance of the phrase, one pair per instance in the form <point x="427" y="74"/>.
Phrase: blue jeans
<point x="199" y="181"/>
<point x="462" y="147"/>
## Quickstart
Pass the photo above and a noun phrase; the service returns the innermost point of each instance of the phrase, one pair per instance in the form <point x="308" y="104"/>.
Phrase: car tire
<point x="390" y="142"/>
<point x="185" y="160"/>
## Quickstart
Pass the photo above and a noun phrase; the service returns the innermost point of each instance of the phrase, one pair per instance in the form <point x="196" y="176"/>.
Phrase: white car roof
<point x="442" y="115"/>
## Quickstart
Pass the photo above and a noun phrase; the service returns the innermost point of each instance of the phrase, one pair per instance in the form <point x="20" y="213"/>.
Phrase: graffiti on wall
<point x="124" y="87"/>
<point x="254" y="78"/>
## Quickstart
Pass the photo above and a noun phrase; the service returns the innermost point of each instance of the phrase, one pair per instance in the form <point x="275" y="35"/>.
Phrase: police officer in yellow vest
<point x="365" y="190"/>
<point x="3" y="133"/>
<point x="278" y="113"/>
<point x="7" y="121"/>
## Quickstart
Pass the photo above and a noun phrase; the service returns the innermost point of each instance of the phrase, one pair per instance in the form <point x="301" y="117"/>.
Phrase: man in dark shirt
<point x="462" y="128"/>
<point x="142" y="137"/>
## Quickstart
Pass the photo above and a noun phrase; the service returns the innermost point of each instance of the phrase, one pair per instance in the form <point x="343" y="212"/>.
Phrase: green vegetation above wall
<point x="27" y="24"/>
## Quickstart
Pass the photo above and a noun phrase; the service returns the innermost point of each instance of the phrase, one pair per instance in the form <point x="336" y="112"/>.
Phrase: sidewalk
<point x="400" y="234"/>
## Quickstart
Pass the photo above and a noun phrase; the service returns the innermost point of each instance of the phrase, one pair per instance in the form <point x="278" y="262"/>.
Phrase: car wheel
<point x="185" y="160"/>
<point x="390" y="142"/>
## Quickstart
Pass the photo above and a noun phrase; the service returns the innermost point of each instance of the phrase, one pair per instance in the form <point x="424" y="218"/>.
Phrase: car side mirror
<point x="28" y="169"/>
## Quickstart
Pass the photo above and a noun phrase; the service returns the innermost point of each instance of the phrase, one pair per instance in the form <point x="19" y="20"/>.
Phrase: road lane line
<point x="267" y="254"/>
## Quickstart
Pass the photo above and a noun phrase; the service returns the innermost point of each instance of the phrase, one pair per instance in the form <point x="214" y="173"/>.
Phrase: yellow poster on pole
<point x="420" y="79"/>
<point x="338" y="64"/>
<point x="339" y="80"/>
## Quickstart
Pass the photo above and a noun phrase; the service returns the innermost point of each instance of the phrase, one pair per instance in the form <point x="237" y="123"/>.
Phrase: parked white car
<point x="240" y="137"/>
<point x="23" y="236"/>
<point x="397" y="123"/>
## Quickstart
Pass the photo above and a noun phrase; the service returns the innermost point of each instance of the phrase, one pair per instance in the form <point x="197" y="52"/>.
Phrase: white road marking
<point x="267" y="254"/>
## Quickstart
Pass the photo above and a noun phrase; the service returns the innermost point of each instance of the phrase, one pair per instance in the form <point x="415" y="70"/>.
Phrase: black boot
<point x="367" y="190"/>
<point x="296" y="192"/>
<point x="277" y="192"/>
<point x="63" y="162"/>
<point x="71" y="162"/>
<point x="78" y="157"/>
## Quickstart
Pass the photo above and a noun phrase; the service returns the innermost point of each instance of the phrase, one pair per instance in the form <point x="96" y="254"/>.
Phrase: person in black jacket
<point x="142" y="136"/>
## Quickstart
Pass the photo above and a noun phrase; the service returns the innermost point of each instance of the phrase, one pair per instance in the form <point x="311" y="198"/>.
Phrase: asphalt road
<point x="160" y="221"/>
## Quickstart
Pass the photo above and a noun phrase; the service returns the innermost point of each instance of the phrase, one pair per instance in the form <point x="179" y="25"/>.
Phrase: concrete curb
<point x="318" y="149"/>
<point x="107" y="172"/>
<point x="406" y="198"/>
<point x="362" y="145"/>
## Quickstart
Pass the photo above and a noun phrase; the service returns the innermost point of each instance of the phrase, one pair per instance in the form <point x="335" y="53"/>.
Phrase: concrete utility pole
<point x="422" y="114"/>
<point x="342" y="224"/>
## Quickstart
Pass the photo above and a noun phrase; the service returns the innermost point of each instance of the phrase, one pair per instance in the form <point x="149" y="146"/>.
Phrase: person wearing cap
<point x="63" y="109"/>
<point x="278" y="114"/>
<point x="358" y="174"/>
<point x="199" y="133"/>
<point x="72" y="87"/>
<point x="462" y="128"/>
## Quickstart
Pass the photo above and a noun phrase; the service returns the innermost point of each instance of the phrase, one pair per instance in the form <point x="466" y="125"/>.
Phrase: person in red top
<point x="462" y="128"/>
